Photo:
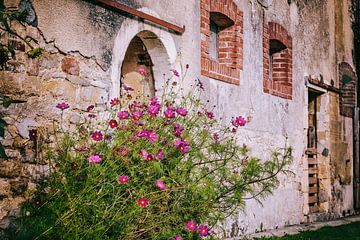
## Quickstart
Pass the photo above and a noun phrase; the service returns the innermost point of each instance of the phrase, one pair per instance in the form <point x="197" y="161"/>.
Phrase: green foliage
<point x="35" y="52"/>
<point x="198" y="173"/>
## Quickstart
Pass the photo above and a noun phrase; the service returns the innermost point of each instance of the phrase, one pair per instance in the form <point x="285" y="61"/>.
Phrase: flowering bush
<point x="157" y="168"/>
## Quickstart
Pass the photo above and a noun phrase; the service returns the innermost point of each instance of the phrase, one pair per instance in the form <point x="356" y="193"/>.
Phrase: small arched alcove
<point x="145" y="51"/>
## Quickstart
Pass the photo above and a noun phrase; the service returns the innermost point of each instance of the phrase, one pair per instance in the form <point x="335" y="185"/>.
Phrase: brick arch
<point x="277" y="73"/>
<point x="229" y="64"/>
<point x="347" y="85"/>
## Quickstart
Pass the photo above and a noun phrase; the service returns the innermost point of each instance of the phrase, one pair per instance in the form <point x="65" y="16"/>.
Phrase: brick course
<point x="348" y="90"/>
<point x="280" y="83"/>
<point x="229" y="64"/>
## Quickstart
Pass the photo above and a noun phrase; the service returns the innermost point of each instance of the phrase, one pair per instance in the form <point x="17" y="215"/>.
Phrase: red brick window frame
<point x="277" y="60"/>
<point x="228" y="64"/>
<point x="347" y="85"/>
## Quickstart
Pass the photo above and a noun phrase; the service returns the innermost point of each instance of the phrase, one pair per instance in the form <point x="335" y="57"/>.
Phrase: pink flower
<point x="90" y="108"/>
<point x="113" y="123"/>
<point x="238" y="121"/>
<point x="127" y="88"/>
<point x="97" y="136"/>
<point x="210" y="115"/>
<point x="151" y="136"/>
<point x="142" y="71"/>
<point x="143" y="202"/>
<point x="160" y="154"/>
<point x="114" y="102"/>
<point x="146" y="156"/>
<point x="154" y="101"/>
<point x="182" y="111"/>
<point x="203" y="230"/>
<point x="191" y="225"/>
<point x="177" y="237"/>
<point x="175" y="72"/>
<point x="160" y="184"/>
<point x="123" y="179"/>
<point x="62" y="106"/>
<point x="178" y="129"/>
<point x="123" y="115"/>
<point x="182" y="144"/>
<point x="169" y="113"/>
<point x="94" y="159"/>
<point x="216" y="136"/>
<point x="153" y="110"/>
<point x="137" y="114"/>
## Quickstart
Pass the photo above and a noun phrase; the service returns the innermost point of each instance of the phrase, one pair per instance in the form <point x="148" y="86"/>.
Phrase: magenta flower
<point x="123" y="115"/>
<point x="178" y="129"/>
<point x="94" y="159"/>
<point x="143" y="202"/>
<point x="182" y="144"/>
<point x="123" y="179"/>
<point x="169" y="113"/>
<point x="160" y="154"/>
<point x="142" y="71"/>
<point x="177" y="237"/>
<point x="97" y="136"/>
<point x="216" y="136"/>
<point x="146" y="156"/>
<point x="167" y="121"/>
<point x="137" y="114"/>
<point x="151" y="135"/>
<point x="238" y="121"/>
<point x="210" y="115"/>
<point x="153" y="110"/>
<point x="114" y="102"/>
<point x="62" y="106"/>
<point x="191" y="225"/>
<point x="160" y="184"/>
<point x="113" y="123"/>
<point x="182" y="112"/>
<point x="127" y="88"/>
<point x="154" y="101"/>
<point x="203" y="230"/>
<point x="175" y="72"/>
<point x="90" y="108"/>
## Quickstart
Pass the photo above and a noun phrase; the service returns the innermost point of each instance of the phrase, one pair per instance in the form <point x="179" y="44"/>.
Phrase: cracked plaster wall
<point x="78" y="67"/>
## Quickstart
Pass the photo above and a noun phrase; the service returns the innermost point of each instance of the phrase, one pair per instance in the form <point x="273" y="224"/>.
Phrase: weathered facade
<point x="287" y="65"/>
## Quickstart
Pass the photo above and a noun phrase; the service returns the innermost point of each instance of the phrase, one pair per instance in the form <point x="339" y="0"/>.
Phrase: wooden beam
<point x="124" y="8"/>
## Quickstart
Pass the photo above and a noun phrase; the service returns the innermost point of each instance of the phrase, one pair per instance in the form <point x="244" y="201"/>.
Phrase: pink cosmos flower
<point x="137" y="114"/>
<point x="97" y="136"/>
<point x="151" y="136"/>
<point x="154" y="101"/>
<point x="178" y="129"/>
<point x="238" y="121"/>
<point x="177" y="237"/>
<point x="147" y="156"/>
<point x="210" y="115"/>
<point x="182" y="144"/>
<point x="90" y="108"/>
<point x="62" y="106"/>
<point x="203" y="230"/>
<point x="160" y="184"/>
<point x="191" y="225"/>
<point x="143" y="202"/>
<point x="142" y="71"/>
<point x="123" y="179"/>
<point x="167" y="121"/>
<point x="160" y="154"/>
<point x="94" y="159"/>
<point x="216" y="136"/>
<point x="114" y="102"/>
<point x="113" y="123"/>
<point x="182" y="112"/>
<point x="123" y="115"/>
<point x="153" y="110"/>
<point x="169" y="113"/>
<point x="175" y="72"/>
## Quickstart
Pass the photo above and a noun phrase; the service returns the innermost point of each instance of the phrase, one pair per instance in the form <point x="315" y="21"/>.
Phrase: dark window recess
<point x="214" y="40"/>
<point x="275" y="48"/>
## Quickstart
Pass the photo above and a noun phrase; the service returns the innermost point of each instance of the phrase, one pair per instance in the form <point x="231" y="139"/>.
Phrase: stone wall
<point x="85" y="46"/>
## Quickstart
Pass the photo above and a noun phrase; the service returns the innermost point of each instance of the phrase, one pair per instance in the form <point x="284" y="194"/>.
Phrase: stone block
<point x="10" y="169"/>
<point x="11" y="3"/>
<point x="70" y="65"/>
<point x="48" y="61"/>
<point x="60" y="88"/>
<point x="94" y="94"/>
<point x="32" y="67"/>
<point x="18" y="187"/>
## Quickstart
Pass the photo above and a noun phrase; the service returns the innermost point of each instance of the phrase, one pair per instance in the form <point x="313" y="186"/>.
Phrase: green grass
<point x="344" y="232"/>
